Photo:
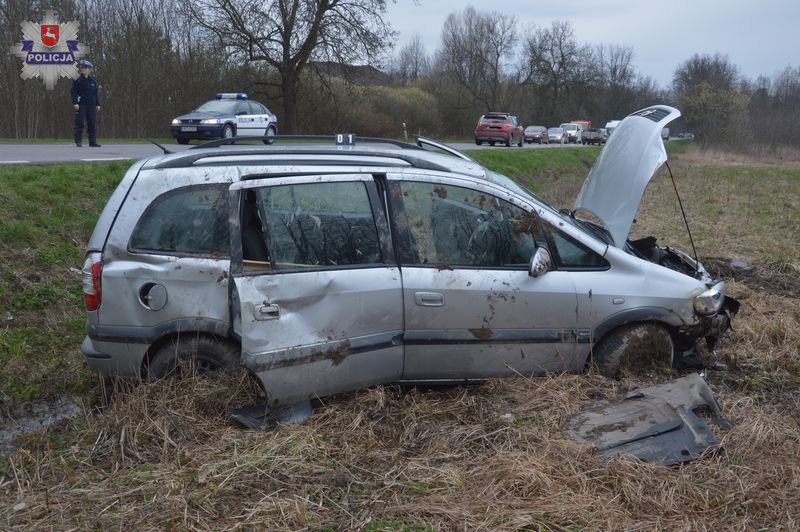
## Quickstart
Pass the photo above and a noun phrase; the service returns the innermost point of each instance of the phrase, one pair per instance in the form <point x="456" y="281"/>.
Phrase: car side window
<point x="572" y="255"/>
<point x="257" y="109"/>
<point x="319" y="225"/>
<point x="457" y="226"/>
<point x="190" y="220"/>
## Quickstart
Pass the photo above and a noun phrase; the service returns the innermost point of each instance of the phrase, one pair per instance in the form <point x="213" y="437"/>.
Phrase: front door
<point x="471" y="309"/>
<point x="318" y="293"/>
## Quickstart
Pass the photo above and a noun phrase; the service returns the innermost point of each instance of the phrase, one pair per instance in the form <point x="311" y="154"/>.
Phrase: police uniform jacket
<point x="84" y="91"/>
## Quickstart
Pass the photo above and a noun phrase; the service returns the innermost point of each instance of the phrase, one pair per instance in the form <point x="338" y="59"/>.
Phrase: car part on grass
<point x="261" y="417"/>
<point x="655" y="424"/>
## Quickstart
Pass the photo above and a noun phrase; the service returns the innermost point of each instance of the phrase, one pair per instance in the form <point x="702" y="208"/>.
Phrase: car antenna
<point x="165" y="150"/>
<point x="685" y="220"/>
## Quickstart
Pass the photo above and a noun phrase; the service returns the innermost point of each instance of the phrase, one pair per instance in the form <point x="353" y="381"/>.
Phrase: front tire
<point x="204" y="354"/>
<point x="635" y="348"/>
<point x="227" y="131"/>
<point x="478" y="142"/>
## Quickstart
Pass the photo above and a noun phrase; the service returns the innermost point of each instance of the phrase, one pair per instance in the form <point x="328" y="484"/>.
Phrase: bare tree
<point x="717" y="71"/>
<point x="707" y="91"/>
<point x="476" y="51"/>
<point x="551" y="58"/>
<point x="412" y="61"/>
<point x="288" y="34"/>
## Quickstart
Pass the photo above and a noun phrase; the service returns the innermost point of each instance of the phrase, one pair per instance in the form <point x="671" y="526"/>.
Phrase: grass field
<point x="483" y="457"/>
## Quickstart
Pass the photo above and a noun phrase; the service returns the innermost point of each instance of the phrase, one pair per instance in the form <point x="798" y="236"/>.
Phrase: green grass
<point x="534" y="168"/>
<point x="48" y="214"/>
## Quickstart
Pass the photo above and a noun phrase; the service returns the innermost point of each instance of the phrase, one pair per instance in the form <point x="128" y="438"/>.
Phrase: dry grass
<point x="488" y="457"/>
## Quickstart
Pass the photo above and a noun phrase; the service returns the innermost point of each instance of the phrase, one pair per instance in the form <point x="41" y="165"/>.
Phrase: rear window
<point x="190" y="220"/>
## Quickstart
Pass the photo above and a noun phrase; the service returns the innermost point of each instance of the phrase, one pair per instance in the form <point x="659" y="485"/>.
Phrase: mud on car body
<point x="325" y="268"/>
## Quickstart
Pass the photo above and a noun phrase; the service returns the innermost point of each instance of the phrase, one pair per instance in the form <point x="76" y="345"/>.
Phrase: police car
<point x="229" y="114"/>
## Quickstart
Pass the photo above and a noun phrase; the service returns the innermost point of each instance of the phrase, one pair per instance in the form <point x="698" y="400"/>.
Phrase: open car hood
<point x="614" y="187"/>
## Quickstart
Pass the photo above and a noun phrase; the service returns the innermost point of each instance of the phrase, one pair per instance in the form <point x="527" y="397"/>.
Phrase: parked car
<point x="557" y="135"/>
<point x="323" y="270"/>
<point x="498" y="127"/>
<point x="594" y="135"/>
<point x="229" y="114"/>
<point x="573" y="132"/>
<point x="537" y="134"/>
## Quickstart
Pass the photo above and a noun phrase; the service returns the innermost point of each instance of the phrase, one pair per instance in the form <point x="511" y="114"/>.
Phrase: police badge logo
<point x="49" y="50"/>
<point x="49" y="34"/>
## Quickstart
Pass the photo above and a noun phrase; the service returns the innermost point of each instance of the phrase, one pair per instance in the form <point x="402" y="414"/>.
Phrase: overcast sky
<point x="759" y="36"/>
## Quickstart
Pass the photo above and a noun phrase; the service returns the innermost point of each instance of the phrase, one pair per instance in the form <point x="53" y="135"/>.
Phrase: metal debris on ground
<point x="656" y="424"/>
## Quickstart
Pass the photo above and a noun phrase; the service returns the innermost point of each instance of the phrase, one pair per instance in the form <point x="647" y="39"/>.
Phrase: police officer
<point x="86" y="102"/>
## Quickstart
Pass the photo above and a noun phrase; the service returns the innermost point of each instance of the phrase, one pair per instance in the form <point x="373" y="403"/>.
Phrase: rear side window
<point x="319" y="225"/>
<point x="191" y="220"/>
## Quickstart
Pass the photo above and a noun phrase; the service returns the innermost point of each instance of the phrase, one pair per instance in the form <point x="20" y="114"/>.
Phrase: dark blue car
<point x="229" y="114"/>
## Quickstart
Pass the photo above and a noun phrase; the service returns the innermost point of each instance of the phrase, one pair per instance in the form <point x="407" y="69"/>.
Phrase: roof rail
<point x="185" y="158"/>
<point x="334" y="138"/>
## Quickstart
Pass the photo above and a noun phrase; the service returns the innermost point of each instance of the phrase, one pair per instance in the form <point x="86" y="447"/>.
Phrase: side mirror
<point x="540" y="262"/>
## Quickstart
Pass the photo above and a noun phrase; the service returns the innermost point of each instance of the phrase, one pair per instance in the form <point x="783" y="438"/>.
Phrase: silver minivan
<point x="323" y="268"/>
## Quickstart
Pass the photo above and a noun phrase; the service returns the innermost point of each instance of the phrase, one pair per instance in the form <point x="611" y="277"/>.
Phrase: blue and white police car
<point x="229" y="114"/>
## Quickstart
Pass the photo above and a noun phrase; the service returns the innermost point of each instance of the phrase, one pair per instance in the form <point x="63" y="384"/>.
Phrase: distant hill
<point x="360" y="74"/>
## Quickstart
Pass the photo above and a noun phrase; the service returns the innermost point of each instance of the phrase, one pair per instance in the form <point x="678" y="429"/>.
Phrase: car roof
<point x="322" y="152"/>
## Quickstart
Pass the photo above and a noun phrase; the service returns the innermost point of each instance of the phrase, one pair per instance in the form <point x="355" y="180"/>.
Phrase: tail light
<point x="92" y="269"/>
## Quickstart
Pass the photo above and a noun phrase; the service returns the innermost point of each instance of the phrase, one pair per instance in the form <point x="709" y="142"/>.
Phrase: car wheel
<point x="202" y="353"/>
<point x="519" y="143"/>
<point x="491" y="143"/>
<point x="634" y="348"/>
<point x="182" y="140"/>
<point x="270" y="132"/>
<point x="227" y="131"/>
<point x="478" y="142"/>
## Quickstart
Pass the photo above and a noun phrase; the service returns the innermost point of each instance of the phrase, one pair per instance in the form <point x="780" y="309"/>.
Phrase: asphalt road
<point x="68" y="152"/>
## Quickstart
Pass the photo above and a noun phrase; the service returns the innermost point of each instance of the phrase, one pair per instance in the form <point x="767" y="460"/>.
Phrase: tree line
<point x="156" y="59"/>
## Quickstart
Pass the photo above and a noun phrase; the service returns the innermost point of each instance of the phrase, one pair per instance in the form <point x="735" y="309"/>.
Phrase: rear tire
<point x="478" y="142"/>
<point x="203" y="353"/>
<point x="182" y="140"/>
<point x="635" y="348"/>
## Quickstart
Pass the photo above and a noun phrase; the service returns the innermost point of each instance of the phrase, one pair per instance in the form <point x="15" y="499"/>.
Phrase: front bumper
<point x="709" y="327"/>
<point x="198" y="131"/>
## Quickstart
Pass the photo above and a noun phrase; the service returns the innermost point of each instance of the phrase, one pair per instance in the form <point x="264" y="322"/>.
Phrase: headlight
<point x="210" y="121"/>
<point x="709" y="302"/>
<point x="176" y="122"/>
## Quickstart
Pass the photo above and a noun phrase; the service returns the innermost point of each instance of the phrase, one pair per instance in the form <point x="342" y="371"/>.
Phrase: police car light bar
<point x="231" y="96"/>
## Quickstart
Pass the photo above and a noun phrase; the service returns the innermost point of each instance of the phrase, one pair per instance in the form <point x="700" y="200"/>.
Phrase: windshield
<point x="584" y="226"/>
<point x="554" y="130"/>
<point x="217" y="106"/>
<point x="571" y="127"/>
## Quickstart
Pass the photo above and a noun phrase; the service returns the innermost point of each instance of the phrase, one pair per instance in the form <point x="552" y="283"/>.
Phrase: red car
<point x="536" y="134"/>
<point x="498" y="127"/>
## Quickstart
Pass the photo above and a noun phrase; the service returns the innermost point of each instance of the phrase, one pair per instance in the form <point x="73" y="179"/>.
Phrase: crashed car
<point x="323" y="268"/>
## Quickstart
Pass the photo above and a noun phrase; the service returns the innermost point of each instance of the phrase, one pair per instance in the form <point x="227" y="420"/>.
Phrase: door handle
<point x="429" y="299"/>
<point x="267" y="312"/>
